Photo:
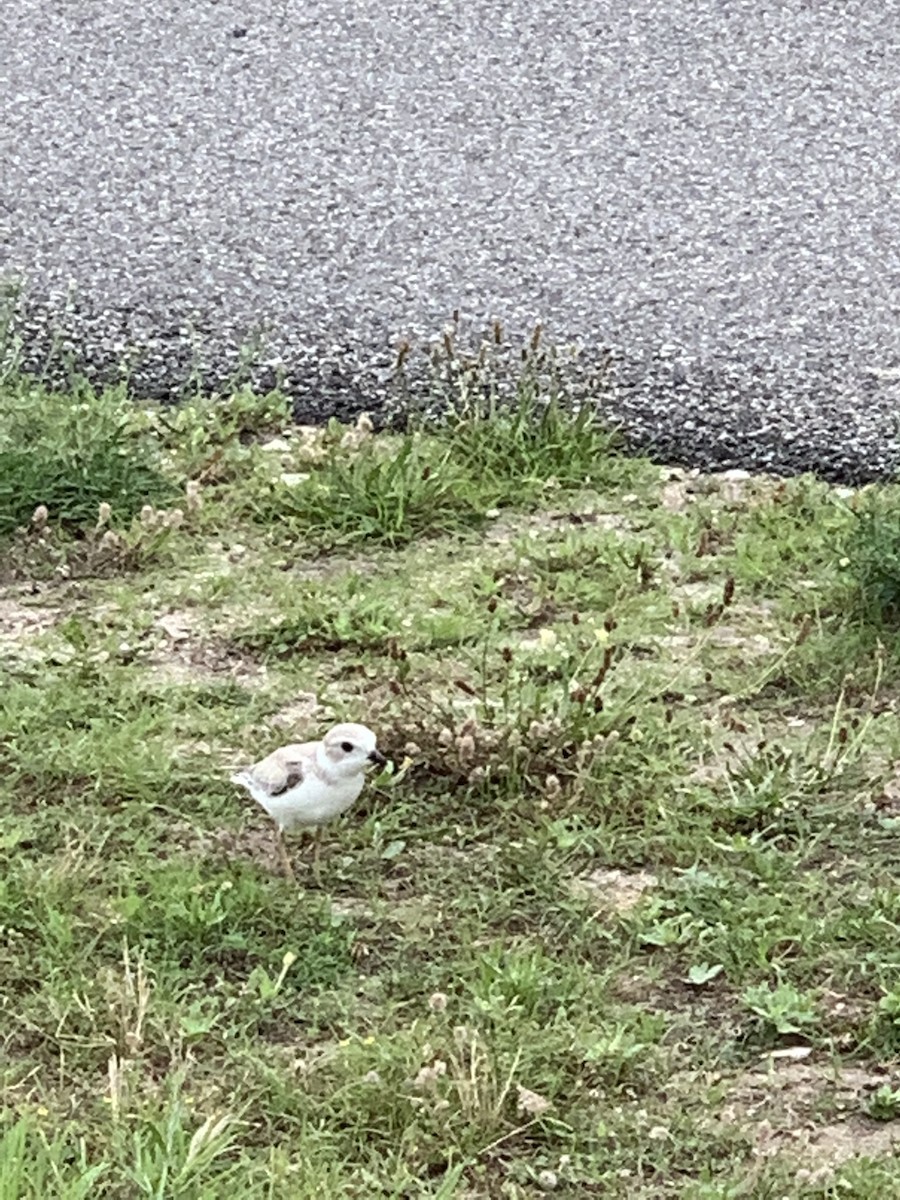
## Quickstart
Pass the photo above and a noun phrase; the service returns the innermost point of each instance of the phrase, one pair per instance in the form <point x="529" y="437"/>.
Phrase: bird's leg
<point x="283" y="854"/>
<point x="317" y="847"/>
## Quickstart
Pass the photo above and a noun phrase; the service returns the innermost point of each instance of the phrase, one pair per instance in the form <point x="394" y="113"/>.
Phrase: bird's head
<point x="350" y="749"/>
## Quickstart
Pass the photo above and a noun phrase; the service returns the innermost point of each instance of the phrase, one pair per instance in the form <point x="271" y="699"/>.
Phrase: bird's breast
<point x="313" y="802"/>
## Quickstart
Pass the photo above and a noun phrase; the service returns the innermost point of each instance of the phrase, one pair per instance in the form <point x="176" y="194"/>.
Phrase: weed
<point x="350" y="619"/>
<point x="531" y="449"/>
<point x="68" y="454"/>
<point x="382" y="495"/>
<point x="168" y="1159"/>
<point x="885" y="1104"/>
<point x="783" y="1007"/>
<point x="209" y="436"/>
<point x="871" y="556"/>
<point x="34" y="1165"/>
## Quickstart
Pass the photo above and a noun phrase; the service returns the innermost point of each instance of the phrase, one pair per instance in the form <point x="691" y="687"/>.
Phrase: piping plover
<point x="308" y="783"/>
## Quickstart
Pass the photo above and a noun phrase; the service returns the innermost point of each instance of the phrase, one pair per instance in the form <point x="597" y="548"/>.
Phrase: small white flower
<point x="428" y="1077"/>
<point x="193" y="500"/>
<point x="532" y="1103"/>
<point x="465" y="747"/>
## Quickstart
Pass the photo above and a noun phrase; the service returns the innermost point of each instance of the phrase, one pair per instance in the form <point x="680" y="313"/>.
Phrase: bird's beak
<point x="377" y="758"/>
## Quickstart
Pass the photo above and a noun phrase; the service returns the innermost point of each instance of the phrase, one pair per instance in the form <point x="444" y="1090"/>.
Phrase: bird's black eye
<point x="346" y="747"/>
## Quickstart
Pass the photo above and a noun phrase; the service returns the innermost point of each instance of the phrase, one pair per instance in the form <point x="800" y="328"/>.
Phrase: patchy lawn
<point x="622" y="921"/>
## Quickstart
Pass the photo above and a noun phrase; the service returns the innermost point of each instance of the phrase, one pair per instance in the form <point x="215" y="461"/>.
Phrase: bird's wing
<point x="284" y="769"/>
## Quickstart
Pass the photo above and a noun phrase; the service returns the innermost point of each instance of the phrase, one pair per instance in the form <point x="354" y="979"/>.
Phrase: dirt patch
<point x="477" y="856"/>
<point x="780" y="1104"/>
<point x="19" y="623"/>
<point x="699" y="592"/>
<point x="754" y="645"/>
<point x="677" y="493"/>
<point x="255" y="843"/>
<point x="735" y="738"/>
<point x="180" y="655"/>
<point x="353" y="908"/>
<point x="785" y="1087"/>
<point x="411" y="913"/>
<point x="737" y="639"/>
<point x="829" y="1147"/>
<point x="613" y="890"/>
<point x="552" y="521"/>
<point x="197" y="668"/>
<point x="719" y="637"/>
<point x="740" y="489"/>
<point x="735" y="488"/>
<point x="177" y="626"/>
<point x="299" y="716"/>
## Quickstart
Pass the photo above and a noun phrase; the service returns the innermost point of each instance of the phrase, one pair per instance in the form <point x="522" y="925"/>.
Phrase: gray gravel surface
<point x="708" y="189"/>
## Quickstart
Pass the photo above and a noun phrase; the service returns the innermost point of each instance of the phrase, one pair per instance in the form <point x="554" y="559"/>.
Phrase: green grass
<point x="625" y="924"/>
<point x="71" y="453"/>
<point x="530" y="449"/>
<point x="872" y="556"/>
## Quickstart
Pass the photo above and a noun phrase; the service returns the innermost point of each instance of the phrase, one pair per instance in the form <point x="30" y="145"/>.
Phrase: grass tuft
<point x="381" y="495"/>
<point x="871" y="557"/>
<point x="522" y="452"/>
<point x="72" y="453"/>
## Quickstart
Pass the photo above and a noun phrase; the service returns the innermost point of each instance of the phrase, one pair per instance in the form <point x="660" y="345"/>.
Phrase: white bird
<point x="309" y="783"/>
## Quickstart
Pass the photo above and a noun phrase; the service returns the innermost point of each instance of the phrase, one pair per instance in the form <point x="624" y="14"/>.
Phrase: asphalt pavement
<point x="706" y="191"/>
